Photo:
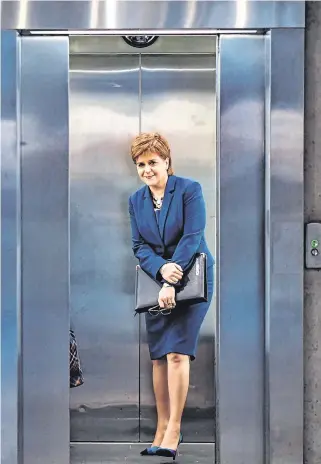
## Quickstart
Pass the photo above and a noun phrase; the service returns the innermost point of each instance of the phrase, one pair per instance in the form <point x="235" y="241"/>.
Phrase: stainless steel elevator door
<point x="178" y="100"/>
<point x="112" y="98"/>
<point x="104" y="116"/>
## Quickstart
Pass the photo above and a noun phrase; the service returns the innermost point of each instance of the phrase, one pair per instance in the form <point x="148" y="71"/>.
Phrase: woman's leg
<point x="178" y="382"/>
<point x="160" y="384"/>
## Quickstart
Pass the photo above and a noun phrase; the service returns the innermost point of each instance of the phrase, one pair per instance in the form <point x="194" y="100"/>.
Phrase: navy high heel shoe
<point x="149" y="451"/>
<point x="170" y="453"/>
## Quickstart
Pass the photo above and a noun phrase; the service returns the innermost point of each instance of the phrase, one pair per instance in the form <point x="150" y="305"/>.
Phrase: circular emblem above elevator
<point x="140" y="41"/>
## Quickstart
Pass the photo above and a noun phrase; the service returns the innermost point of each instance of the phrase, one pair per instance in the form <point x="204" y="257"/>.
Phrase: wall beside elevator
<point x="312" y="197"/>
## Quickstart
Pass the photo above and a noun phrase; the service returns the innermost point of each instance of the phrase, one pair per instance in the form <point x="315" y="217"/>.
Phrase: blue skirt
<point x="178" y="332"/>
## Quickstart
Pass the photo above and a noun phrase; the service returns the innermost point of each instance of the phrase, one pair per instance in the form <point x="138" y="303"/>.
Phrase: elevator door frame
<point x="284" y="44"/>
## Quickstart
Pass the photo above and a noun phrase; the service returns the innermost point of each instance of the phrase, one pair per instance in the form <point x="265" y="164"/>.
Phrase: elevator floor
<point x="101" y="453"/>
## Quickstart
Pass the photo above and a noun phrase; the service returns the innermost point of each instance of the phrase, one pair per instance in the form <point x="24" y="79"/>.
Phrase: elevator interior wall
<point x="115" y="92"/>
<point x="104" y="115"/>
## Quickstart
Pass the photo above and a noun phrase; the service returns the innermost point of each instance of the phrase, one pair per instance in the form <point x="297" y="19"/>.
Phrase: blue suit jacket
<point x="180" y="233"/>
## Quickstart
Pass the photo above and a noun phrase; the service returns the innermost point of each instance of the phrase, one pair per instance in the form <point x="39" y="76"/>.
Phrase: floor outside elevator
<point x="115" y="92"/>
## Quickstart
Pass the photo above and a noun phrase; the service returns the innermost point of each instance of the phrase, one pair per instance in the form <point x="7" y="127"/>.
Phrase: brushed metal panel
<point x="285" y="245"/>
<point x="101" y="453"/>
<point x="150" y="14"/>
<point x="10" y="250"/>
<point x="45" y="237"/>
<point x="104" y="117"/>
<point x="240" y="361"/>
<point x="178" y="100"/>
<point x="164" y="44"/>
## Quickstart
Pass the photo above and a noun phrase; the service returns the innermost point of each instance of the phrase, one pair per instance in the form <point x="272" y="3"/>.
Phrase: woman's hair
<point x="151" y="142"/>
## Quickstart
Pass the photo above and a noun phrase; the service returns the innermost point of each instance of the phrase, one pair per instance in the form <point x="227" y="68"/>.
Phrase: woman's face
<point x="152" y="169"/>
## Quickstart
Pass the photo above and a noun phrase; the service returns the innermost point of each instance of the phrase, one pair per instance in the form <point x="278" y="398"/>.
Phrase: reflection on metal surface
<point x="240" y="362"/>
<point x="181" y="70"/>
<point x="149" y="14"/>
<point x="10" y="252"/>
<point x="83" y="71"/>
<point x="23" y="6"/>
<point x="284" y="246"/>
<point x="111" y="14"/>
<point x="241" y="14"/>
<point x="94" y="13"/>
<point x="45" y="244"/>
<point x="104" y="117"/>
<point x="178" y="100"/>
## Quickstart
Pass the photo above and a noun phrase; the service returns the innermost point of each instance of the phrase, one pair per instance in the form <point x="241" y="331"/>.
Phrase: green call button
<point x="314" y="243"/>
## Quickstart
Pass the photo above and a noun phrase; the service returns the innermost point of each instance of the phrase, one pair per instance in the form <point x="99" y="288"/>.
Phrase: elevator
<point x="116" y="91"/>
<point x="223" y="82"/>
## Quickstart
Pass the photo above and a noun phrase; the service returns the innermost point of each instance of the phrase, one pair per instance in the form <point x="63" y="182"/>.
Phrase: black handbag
<point x="192" y="290"/>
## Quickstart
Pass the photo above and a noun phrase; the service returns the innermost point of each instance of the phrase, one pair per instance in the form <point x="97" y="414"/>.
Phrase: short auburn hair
<point x="151" y="142"/>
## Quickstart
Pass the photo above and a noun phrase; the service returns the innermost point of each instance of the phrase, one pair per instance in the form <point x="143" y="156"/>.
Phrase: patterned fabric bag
<point x="76" y="375"/>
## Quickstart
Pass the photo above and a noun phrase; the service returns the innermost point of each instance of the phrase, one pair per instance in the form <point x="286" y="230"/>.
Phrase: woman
<point x="168" y="221"/>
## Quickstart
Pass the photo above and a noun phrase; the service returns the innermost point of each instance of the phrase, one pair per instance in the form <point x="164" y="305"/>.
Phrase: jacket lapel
<point x="168" y="196"/>
<point x="149" y="214"/>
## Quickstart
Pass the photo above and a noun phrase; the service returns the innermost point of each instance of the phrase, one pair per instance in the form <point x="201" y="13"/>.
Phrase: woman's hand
<point x="166" y="297"/>
<point x="171" y="272"/>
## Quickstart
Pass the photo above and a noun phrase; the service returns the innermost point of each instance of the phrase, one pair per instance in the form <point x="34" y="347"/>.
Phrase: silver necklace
<point x="158" y="202"/>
